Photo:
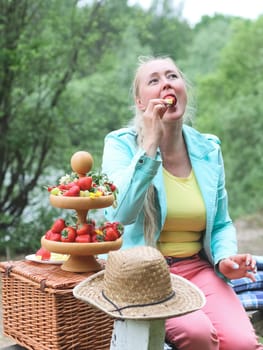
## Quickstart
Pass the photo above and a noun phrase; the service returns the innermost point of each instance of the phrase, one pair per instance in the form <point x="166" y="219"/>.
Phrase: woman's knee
<point x="193" y="333"/>
<point x="241" y="341"/>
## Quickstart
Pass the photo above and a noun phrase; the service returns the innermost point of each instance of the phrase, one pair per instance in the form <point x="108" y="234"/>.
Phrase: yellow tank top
<point x="186" y="217"/>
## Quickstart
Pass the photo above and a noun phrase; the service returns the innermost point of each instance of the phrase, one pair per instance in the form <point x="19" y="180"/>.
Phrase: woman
<point x="172" y="195"/>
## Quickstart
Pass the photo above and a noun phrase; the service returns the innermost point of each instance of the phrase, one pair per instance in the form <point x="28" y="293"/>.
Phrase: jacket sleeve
<point x="132" y="172"/>
<point x="223" y="237"/>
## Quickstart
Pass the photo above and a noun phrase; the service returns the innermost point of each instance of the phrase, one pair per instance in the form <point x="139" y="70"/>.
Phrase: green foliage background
<point x="65" y="77"/>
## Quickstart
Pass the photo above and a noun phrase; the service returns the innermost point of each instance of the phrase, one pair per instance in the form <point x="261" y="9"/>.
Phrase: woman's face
<point x="158" y="79"/>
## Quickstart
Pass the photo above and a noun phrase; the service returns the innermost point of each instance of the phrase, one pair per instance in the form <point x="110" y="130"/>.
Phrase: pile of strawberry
<point x="60" y="231"/>
<point x="92" y="185"/>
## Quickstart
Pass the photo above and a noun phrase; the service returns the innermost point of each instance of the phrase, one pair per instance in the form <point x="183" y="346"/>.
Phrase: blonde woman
<point x="172" y="196"/>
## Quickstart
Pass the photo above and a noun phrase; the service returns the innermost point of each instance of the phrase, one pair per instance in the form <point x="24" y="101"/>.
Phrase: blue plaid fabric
<point x="251" y="293"/>
<point x="252" y="300"/>
<point x="244" y="284"/>
<point x="259" y="260"/>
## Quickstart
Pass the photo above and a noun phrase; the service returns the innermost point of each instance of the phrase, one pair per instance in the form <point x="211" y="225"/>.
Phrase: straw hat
<point x="137" y="284"/>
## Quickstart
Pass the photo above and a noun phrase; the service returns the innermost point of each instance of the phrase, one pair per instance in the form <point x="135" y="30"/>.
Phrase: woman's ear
<point x="140" y="105"/>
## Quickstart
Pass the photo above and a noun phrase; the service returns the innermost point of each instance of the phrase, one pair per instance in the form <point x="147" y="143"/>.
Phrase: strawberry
<point x="105" y="225"/>
<point x="65" y="187"/>
<point x="58" y="225"/>
<point x="94" y="238"/>
<point x="110" y="234"/>
<point x="85" y="183"/>
<point x="48" y="234"/>
<point x="68" y="234"/>
<point x="170" y="100"/>
<point x="83" y="239"/>
<point x="73" y="191"/>
<point x="53" y="236"/>
<point x="113" y="187"/>
<point x="117" y="226"/>
<point x="44" y="253"/>
<point x="85" y="229"/>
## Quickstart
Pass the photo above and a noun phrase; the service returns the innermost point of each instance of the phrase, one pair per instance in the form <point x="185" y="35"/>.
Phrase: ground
<point x="250" y="239"/>
<point x="250" y="235"/>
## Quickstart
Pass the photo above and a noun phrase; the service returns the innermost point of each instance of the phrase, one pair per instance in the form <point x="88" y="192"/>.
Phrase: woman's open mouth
<point x="170" y="100"/>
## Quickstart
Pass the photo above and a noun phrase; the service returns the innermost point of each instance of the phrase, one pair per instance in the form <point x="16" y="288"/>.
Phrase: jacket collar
<point x="198" y="144"/>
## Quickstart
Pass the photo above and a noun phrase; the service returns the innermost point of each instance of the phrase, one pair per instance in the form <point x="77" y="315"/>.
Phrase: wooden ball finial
<point x="81" y="162"/>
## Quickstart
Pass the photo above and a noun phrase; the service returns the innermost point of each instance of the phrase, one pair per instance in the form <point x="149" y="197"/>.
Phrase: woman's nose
<point x="166" y="83"/>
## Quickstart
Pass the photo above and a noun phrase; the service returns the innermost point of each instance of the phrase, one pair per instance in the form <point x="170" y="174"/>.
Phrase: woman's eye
<point x="172" y="76"/>
<point x="153" y="81"/>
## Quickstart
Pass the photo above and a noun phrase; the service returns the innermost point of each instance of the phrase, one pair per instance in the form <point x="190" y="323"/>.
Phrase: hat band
<point x="119" y="309"/>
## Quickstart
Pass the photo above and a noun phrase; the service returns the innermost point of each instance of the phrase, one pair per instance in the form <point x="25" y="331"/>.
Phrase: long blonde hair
<point x="149" y="207"/>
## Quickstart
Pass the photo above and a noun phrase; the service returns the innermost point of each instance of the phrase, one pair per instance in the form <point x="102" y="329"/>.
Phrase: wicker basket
<point x="41" y="313"/>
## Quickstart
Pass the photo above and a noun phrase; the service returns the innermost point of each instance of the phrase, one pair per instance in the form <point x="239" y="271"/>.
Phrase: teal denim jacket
<point x="133" y="171"/>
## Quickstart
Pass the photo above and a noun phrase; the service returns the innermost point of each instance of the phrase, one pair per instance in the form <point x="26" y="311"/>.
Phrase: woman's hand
<point x="238" y="266"/>
<point x="152" y="125"/>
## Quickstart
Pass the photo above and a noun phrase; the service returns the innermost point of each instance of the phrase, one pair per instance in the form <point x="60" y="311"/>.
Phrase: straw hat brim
<point x="187" y="298"/>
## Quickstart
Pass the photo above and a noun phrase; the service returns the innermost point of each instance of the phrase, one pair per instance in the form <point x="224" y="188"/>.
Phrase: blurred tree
<point x="41" y="45"/>
<point x="231" y="105"/>
<point x="210" y="36"/>
<point x="102" y="101"/>
<point x="168" y="33"/>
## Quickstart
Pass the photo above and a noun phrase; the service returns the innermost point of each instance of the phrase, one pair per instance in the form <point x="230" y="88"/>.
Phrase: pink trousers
<point x="222" y="324"/>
